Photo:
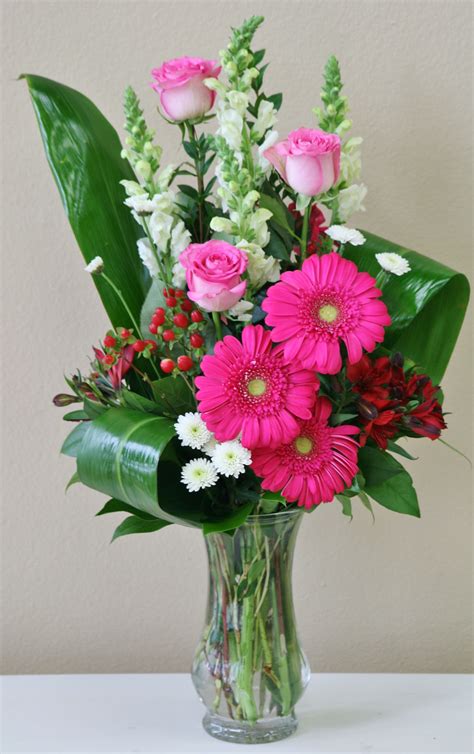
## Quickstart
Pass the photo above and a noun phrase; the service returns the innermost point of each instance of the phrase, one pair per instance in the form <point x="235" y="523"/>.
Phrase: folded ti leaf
<point x="427" y="304"/>
<point x="83" y="151"/>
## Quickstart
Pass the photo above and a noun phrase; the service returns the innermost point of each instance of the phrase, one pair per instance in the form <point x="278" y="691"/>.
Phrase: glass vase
<point x="249" y="669"/>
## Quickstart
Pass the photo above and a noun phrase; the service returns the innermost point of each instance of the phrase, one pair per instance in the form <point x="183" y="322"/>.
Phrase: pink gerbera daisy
<point x="247" y="388"/>
<point x="311" y="310"/>
<point x="318" y="463"/>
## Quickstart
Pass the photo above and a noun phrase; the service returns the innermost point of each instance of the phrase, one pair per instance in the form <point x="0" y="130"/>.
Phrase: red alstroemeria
<point x="370" y="378"/>
<point x="117" y="372"/>
<point x="383" y="427"/>
<point x="317" y="226"/>
<point x="425" y="419"/>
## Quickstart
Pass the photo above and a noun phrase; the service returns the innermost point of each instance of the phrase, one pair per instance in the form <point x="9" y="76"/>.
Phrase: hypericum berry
<point x="159" y="315"/>
<point x="153" y="328"/>
<point x="185" y="363"/>
<point x="181" y="320"/>
<point x="168" y="292"/>
<point x="109" y="359"/>
<point x="151" y="344"/>
<point x="168" y="335"/>
<point x="125" y="333"/>
<point x="196" y="340"/>
<point x="187" y="305"/>
<point x="167" y="365"/>
<point x="196" y="316"/>
<point x="139" y="346"/>
<point x="110" y="341"/>
<point x="171" y="302"/>
<point x="179" y="293"/>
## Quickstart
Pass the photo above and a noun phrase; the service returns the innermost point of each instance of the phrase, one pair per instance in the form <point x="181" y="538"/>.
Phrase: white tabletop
<point x="161" y="713"/>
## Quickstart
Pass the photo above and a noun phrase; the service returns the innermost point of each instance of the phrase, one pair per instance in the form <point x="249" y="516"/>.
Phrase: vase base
<point x="241" y="732"/>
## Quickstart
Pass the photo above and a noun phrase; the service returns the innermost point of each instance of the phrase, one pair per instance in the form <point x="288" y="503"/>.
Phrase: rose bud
<point x="308" y="160"/>
<point x="213" y="274"/>
<point x="179" y="82"/>
<point x="63" y="399"/>
<point x="367" y="410"/>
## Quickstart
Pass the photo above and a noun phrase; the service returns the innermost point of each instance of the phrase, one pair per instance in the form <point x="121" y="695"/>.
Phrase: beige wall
<point x="394" y="596"/>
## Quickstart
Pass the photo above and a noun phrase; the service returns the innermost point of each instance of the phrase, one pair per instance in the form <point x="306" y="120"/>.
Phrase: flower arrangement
<point x="263" y="355"/>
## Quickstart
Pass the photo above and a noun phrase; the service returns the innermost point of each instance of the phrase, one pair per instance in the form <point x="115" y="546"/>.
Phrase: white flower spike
<point x="343" y="234"/>
<point x="198" y="474"/>
<point x="95" y="266"/>
<point x="393" y="263"/>
<point x="191" y="430"/>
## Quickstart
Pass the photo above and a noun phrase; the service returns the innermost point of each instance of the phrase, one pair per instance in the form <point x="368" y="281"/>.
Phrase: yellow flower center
<point x="303" y="445"/>
<point x="328" y="313"/>
<point x="257" y="387"/>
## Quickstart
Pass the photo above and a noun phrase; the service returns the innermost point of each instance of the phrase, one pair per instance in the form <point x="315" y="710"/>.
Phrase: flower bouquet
<point x="263" y="356"/>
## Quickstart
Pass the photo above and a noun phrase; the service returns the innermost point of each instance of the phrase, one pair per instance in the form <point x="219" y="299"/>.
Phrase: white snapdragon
<point x="343" y="234"/>
<point x="238" y="101"/>
<point x="191" y="430"/>
<point x="351" y="164"/>
<point x="95" y="266"/>
<point x="132" y="188"/>
<point x="178" y="277"/>
<point x="198" y="474"/>
<point x="350" y="200"/>
<point x="393" y="263"/>
<point x="140" y="203"/>
<point x="241" y="311"/>
<point x="230" y="458"/>
<point x="262" y="268"/>
<point x="266" y="118"/>
<point x="221" y="225"/>
<point x="180" y="238"/>
<point x="230" y="126"/>
<point x="147" y="255"/>
<point x="270" y="139"/>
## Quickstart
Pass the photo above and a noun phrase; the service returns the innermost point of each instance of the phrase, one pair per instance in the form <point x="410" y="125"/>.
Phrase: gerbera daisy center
<point x="328" y="313"/>
<point x="304" y="445"/>
<point x="257" y="387"/>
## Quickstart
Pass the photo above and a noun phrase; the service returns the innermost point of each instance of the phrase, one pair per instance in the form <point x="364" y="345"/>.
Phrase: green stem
<point x="217" y="324"/>
<point x="304" y="234"/>
<point x="200" y="180"/>
<point x="156" y="254"/>
<point x="119" y="294"/>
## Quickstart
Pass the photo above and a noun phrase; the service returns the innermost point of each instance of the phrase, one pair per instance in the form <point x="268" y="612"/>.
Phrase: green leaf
<point x="154" y="298"/>
<point x="365" y="500"/>
<point x="276" y="100"/>
<point x="83" y="151"/>
<point x="76" y="416"/>
<point x="138" y="402"/>
<point x="73" y="480"/>
<point x="172" y="395"/>
<point x="394" y="448"/>
<point x="387" y="482"/>
<point x="232" y="521"/>
<point x="73" y="441"/>
<point x="281" y="214"/>
<point x="118" y="506"/>
<point x="427" y="305"/>
<point x="135" y="525"/>
<point x="119" y="456"/>
<point x="346" y="505"/>
<point x="93" y="409"/>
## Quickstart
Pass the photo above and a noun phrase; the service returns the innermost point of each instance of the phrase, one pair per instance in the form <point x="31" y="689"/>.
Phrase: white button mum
<point x="343" y="234"/>
<point x="394" y="263"/>
<point x="198" y="474"/>
<point x="95" y="266"/>
<point x="192" y="431"/>
<point x="230" y="458"/>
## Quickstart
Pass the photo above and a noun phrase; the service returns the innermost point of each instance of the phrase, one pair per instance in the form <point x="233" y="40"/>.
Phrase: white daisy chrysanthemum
<point x="198" y="474"/>
<point x="95" y="266"/>
<point x="210" y="446"/>
<point x="192" y="431"/>
<point x="230" y="458"/>
<point x="393" y="263"/>
<point x="343" y="234"/>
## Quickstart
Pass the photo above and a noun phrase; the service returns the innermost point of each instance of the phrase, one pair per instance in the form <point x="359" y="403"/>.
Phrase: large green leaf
<point x="427" y="305"/>
<point x="119" y="455"/>
<point x="83" y="151"/>
<point x="387" y="482"/>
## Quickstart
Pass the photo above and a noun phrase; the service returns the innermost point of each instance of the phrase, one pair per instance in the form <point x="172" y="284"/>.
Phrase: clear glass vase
<point x="249" y="669"/>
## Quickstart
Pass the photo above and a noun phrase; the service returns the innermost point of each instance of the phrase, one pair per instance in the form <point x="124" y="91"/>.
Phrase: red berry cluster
<point x="178" y="323"/>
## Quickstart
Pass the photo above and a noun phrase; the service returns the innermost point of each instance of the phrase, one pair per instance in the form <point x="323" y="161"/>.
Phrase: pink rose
<point x="213" y="274"/>
<point x="179" y="82"/>
<point x="308" y="160"/>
